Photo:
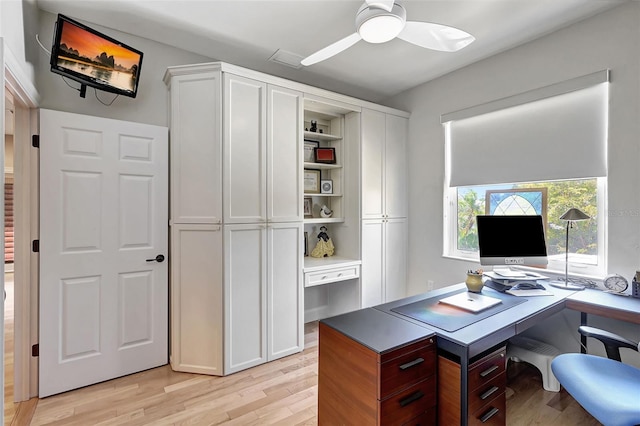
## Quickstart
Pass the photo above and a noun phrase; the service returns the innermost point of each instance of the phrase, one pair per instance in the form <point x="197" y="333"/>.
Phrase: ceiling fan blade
<point x="382" y="4"/>
<point x="331" y="50"/>
<point x="435" y="36"/>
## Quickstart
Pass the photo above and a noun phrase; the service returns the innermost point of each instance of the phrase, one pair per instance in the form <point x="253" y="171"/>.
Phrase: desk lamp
<point x="571" y="215"/>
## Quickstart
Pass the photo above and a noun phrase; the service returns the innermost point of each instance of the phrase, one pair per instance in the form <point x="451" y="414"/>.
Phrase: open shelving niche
<point x="332" y="284"/>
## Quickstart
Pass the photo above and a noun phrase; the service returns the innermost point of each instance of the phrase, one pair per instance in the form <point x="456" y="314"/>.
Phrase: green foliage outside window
<point x="561" y="195"/>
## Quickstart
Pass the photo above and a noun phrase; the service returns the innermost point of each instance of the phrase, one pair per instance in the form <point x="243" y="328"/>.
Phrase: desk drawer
<point x="486" y="368"/>
<point x="494" y="413"/>
<point x="488" y="391"/>
<point x="408" y="404"/>
<point x="407" y="369"/>
<point x="331" y="275"/>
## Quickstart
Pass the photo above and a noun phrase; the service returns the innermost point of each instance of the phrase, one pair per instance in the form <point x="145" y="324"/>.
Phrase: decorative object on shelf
<point x="326" y="186"/>
<point x="309" y="153"/>
<point x="306" y="207"/>
<point x="474" y="281"/>
<point x="571" y="215"/>
<point x="325" y="211"/>
<point x="324" y="247"/>
<point x="314" y="126"/>
<point x="306" y="243"/>
<point x="311" y="181"/>
<point x="325" y="155"/>
<point x="616" y="283"/>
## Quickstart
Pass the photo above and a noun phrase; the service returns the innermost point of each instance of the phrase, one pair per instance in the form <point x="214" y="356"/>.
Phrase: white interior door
<point x="103" y="221"/>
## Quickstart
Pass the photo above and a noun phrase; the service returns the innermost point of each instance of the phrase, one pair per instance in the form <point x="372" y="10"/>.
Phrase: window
<point x="550" y="143"/>
<point x="549" y="199"/>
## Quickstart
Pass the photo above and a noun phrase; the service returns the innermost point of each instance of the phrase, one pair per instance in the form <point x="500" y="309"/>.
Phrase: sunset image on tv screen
<point x="86" y="53"/>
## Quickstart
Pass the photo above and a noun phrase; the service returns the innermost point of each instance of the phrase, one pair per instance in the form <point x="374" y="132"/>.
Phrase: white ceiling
<point x="247" y="33"/>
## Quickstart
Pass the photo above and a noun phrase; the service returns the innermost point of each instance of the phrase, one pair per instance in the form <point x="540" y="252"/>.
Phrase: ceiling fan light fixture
<point x="376" y="25"/>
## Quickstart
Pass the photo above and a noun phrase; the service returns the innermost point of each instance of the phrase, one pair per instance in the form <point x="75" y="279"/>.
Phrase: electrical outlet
<point x="429" y="285"/>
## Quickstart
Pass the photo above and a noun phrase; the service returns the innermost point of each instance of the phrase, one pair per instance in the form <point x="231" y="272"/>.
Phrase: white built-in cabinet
<point x="241" y="288"/>
<point x="384" y="207"/>
<point x="236" y="287"/>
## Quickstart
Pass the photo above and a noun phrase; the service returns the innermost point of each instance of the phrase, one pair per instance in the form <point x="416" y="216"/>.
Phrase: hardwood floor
<point x="282" y="392"/>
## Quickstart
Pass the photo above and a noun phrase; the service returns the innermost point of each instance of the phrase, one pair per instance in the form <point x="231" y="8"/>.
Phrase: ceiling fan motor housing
<point x="377" y="25"/>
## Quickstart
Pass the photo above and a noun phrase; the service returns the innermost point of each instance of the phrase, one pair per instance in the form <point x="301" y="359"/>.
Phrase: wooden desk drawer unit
<point x="487" y="381"/>
<point x="358" y="386"/>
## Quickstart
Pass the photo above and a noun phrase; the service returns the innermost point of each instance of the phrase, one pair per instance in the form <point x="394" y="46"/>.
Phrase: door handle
<point x="159" y="258"/>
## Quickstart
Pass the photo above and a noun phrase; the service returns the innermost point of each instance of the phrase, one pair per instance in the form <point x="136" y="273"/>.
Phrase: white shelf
<point x="321" y="136"/>
<point x="312" y="220"/>
<point x="317" y="194"/>
<point x="322" y="166"/>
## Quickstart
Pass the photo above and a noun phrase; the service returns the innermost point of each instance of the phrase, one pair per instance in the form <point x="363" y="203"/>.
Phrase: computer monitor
<point x="511" y="240"/>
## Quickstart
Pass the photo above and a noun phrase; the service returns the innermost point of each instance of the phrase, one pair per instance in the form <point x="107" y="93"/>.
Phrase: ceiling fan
<point x="379" y="21"/>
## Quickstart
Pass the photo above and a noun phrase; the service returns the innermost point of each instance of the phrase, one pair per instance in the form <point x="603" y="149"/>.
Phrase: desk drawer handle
<point x="489" y="370"/>
<point x="490" y="392"/>
<point x="489" y="414"/>
<point x="412" y="363"/>
<point x="411" y="398"/>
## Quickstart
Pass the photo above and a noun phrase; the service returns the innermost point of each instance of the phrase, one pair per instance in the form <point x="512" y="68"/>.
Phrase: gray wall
<point x="605" y="41"/>
<point x="151" y="104"/>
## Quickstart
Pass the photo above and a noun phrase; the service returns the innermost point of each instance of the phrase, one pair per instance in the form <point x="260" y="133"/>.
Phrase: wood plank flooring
<point x="282" y="392"/>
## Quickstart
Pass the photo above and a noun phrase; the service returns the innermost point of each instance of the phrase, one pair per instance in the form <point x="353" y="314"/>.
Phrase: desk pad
<point x="450" y="318"/>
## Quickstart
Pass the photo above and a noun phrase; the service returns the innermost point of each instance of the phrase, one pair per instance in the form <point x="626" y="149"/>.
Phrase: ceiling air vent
<point x="286" y="58"/>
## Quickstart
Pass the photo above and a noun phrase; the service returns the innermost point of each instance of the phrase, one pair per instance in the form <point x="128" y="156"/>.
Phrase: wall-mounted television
<point x="94" y="59"/>
<point x="511" y="240"/>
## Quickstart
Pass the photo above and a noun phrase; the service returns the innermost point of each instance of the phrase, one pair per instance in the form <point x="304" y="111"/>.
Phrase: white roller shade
<point x="562" y="136"/>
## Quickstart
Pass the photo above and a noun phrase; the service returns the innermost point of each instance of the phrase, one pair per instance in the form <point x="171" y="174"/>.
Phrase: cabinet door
<point x="196" y="299"/>
<point x="196" y="148"/>
<point x="395" y="170"/>
<point x="244" y="138"/>
<point x="372" y="275"/>
<point x="395" y="253"/>
<point x="284" y="155"/>
<point x="285" y="304"/>
<point x="372" y="160"/>
<point x="244" y="296"/>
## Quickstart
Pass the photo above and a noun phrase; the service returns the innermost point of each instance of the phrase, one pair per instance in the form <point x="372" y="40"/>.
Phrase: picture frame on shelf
<point x="311" y="181"/>
<point x="309" y="150"/>
<point x="306" y="243"/>
<point x="325" y="155"/>
<point x="326" y="186"/>
<point x="307" y="206"/>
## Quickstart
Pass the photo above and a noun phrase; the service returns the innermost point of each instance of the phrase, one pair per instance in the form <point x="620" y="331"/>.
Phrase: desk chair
<point x="608" y="389"/>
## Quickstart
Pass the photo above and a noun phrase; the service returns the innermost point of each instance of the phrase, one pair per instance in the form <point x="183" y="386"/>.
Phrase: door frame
<point x="26" y="100"/>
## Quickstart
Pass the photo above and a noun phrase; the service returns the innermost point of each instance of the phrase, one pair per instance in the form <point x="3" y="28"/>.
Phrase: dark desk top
<point x="609" y="305"/>
<point x="377" y="330"/>
<point x="488" y="332"/>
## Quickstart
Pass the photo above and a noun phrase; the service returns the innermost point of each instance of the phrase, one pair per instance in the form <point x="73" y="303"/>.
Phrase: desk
<point x="472" y="344"/>
<point x="603" y="304"/>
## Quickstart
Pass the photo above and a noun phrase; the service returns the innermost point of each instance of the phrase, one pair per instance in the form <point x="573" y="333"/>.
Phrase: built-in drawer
<point x="493" y="413"/>
<point x="410" y="367"/>
<point x="487" y="391"/>
<point x="486" y="368"/>
<point x="331" y="275"/>
<point x="400" y="408"/>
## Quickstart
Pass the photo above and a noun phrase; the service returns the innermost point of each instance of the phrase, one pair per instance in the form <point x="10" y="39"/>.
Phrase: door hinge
<point x="35" y="350"/>
<point x="35" y="246"/>
<point x="35" y="141"/>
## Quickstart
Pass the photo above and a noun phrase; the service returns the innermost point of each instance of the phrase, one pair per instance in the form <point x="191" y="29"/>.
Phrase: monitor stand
<point x="565" y="285"/>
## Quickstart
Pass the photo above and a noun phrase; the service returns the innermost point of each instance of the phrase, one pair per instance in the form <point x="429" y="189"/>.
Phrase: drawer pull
<point x="411" y="398"/>
<point x="490" y="392"/>
<point x="489" y="414"/>
<point x="489" y="370"/>
<point x="324" y="277"/>
<point x="412" y="363"/>
<point x="340" y="274"/>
